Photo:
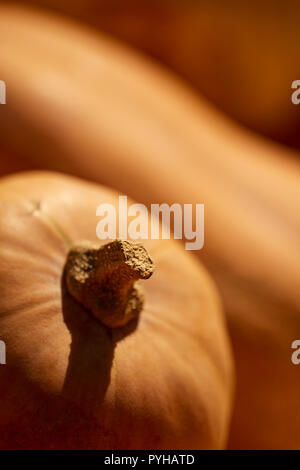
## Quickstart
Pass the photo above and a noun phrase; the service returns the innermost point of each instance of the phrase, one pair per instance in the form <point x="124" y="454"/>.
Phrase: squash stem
<point x="105" y="279"/>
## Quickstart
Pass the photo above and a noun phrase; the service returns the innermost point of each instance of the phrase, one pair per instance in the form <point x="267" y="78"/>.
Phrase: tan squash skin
<point x="101" y="112"/>
<point x="70" y="382"/>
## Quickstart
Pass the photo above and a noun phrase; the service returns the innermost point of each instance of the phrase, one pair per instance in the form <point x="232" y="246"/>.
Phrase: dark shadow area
<point x="91" y="354"/>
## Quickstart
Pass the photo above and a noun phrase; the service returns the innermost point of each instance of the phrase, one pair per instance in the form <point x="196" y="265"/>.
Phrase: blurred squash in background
<point x="242" y="56"/>
<point x="81" y="103"/>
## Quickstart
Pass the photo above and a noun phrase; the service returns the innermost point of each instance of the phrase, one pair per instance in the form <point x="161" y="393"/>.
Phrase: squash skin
<point x="145" y="134"/>
<point x="70" y="382"/>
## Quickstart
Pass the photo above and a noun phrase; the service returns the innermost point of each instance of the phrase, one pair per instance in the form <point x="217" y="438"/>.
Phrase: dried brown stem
<point x="104" y="279"/>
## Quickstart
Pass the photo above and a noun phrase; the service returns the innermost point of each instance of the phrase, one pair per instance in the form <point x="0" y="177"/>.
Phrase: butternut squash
<point x="240" y="55"/>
